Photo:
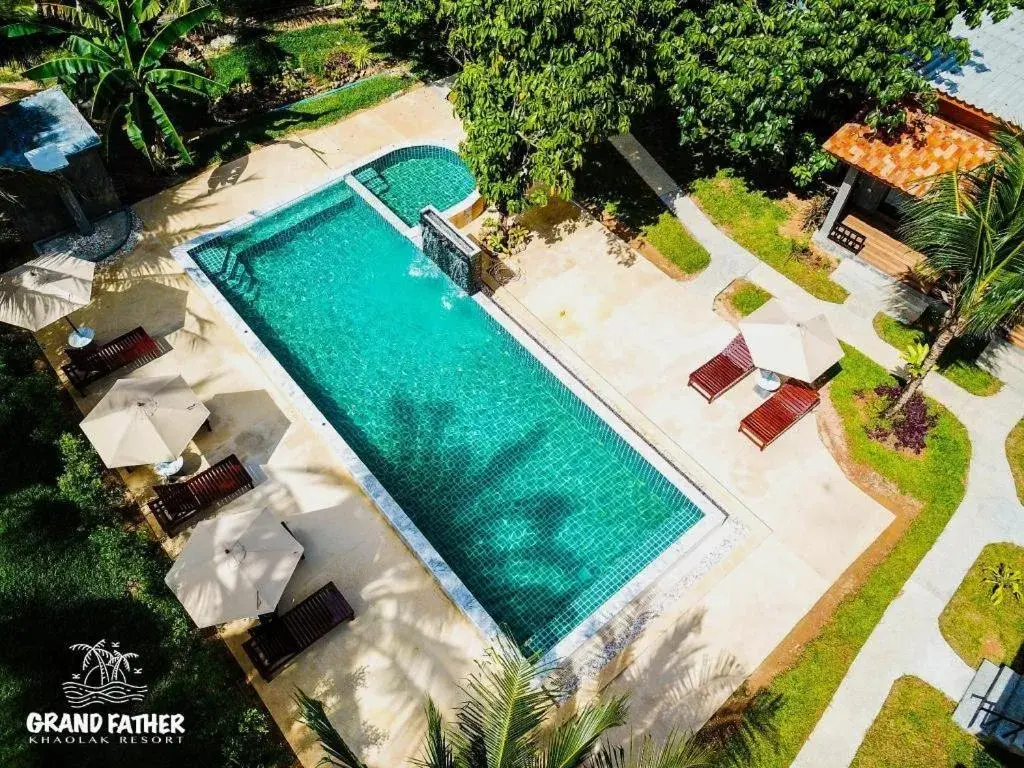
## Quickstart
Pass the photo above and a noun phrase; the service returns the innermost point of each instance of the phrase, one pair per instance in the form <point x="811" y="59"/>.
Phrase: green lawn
<point x="746" y="297"/>
<point x="74" y="570"/>
<point x="936" y="477"/>
<point x="609" y="183"/>
<point x="1015" y="456"/>
<point x="752" y="219"/>
<point x="974" y="627"/>
<point x="955" y="363"/>
<point x="915" y="730"/>
<point x="265" y="55"/>
<point x="240" y="138"/>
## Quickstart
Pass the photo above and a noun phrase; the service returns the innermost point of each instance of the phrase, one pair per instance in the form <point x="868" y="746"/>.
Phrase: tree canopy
<point x="541" y="81"/>
<point x="762" y="82"/>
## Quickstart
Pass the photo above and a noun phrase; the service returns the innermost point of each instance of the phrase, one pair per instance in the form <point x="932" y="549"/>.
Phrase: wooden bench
<point x="272" y="645"/>
<point x="95" y="362"/>
<point x="764" y="424"/>
<point x="723" y="371"/>
<point x="177" y="503"/>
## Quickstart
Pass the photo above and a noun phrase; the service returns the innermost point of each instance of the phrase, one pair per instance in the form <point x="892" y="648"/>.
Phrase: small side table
<point x="169" y="468"/>
<point x="81" y="337"/>
<point x="767" y="381"/>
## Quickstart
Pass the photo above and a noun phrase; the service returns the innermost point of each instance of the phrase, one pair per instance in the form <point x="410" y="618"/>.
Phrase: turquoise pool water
<point x="534" y="502"/>
<point x="411" y="178"/>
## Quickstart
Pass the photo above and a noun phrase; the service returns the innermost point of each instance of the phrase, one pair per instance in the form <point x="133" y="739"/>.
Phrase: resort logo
<point x="106" y="678"/>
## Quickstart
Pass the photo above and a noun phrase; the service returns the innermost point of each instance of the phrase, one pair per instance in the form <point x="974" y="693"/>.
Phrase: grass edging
<point x="1015" y="456"/>
<point x="936" y="478"/>
<point x="753" y="220"/>
<point x="915" y="729"/>
<point x="965" y="374"/>
<point x="976" y="628"/>
<point x="314" y="112"/>
<point x="613" y="192"/>
<point x="747" y="297"/>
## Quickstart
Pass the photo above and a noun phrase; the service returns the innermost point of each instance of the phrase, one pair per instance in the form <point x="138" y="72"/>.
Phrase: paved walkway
<point x="907" y="641"/>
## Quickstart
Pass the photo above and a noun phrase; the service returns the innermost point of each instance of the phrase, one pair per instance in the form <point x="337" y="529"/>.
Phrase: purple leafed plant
<point x="910" y="427"/>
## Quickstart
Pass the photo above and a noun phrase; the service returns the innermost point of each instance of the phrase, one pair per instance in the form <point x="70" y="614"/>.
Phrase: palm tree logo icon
<point x="104" y="676"/>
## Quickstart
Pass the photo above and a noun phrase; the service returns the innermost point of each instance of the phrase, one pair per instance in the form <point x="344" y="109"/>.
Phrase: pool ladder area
<point x="238" y="275"/>
<point x="373" y="181"/>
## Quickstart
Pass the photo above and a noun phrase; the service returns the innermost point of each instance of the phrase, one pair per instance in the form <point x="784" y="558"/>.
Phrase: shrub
<point x="338" y="65"/>
<point x="507" y="239"/>
<point x="908" y="429"/>
<point x="81" y="483"/>
<point x="1002" y="579"/>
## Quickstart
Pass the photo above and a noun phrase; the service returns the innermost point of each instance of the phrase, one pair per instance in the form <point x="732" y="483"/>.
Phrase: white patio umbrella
<point x="144" y="421"/>
<point x="786" y="345"/>
<point x="44" y="290"/>
<point x="234" y="567"/>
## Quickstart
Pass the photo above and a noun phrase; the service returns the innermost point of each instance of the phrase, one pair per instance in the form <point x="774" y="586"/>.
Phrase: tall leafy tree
<point x="541" y="81"/>
<point x="970" y="228"/>
<point x="505" y="722"/>
<point x="119" y="52"/>
<point x="759" y="82"/>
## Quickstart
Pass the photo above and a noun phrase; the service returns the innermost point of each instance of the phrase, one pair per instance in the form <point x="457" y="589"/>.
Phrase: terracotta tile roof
<point x="930" y="146"/>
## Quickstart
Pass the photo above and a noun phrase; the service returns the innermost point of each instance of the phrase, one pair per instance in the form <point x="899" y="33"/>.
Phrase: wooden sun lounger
<point x="177" y="503"/>
<point x="96" y="361"/>
<point x="723" y="371"/>
<point x="272" y="645"/>
<point x="764" y="424"/>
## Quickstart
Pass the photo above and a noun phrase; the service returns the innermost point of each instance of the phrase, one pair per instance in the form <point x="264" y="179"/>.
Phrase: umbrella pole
<point x="73" y="326"/>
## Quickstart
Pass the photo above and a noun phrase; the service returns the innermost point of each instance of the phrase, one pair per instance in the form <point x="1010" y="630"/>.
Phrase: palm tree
<point x="504" y="723"/>
<point x="970" y="228"/>
<point x="116" y="50"/>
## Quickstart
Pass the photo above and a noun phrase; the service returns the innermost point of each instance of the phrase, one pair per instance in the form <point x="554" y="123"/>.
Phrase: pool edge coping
<point x="683" y="548"/>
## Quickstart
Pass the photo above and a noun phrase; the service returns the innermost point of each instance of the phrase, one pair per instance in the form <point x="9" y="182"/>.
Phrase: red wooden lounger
<point x="722" y="371"/>
<point x="778" y="413"/>
<point x="91" y="364"/>
<point x="274" y="644"/>
<point x="176" y="503"/>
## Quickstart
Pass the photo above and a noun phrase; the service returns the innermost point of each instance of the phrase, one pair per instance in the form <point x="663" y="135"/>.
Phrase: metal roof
<point x="44" y="119"/>
<point x="993" y="78"/>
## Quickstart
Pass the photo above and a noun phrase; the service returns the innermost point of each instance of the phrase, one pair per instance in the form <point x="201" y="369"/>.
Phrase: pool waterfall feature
<point x="455" y="255"/>
<point x="533" y="505"/>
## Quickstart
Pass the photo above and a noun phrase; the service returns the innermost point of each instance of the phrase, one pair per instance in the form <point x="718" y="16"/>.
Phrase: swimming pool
<point x="540" y="508"/>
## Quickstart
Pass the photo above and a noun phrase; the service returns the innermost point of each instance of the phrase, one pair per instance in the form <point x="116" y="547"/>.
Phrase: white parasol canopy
<point x="44" y="290"/>
<point x="234" y="567"/>
<point x="779" y="342"/>
<point x="144" y="421"/>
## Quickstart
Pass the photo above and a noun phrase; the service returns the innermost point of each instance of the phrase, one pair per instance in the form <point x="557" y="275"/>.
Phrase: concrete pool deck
<point x="627" y="330"/>
<point x="633" y="334"/>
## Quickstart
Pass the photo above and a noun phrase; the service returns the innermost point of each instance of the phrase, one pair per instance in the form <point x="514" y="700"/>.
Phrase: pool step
<point x="373" y="181"/>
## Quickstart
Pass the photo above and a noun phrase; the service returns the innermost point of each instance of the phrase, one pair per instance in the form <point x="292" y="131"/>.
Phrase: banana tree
<point x="506" y="721"/>
<point x="970" y="228"/>
<point x="118" y="51"/>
